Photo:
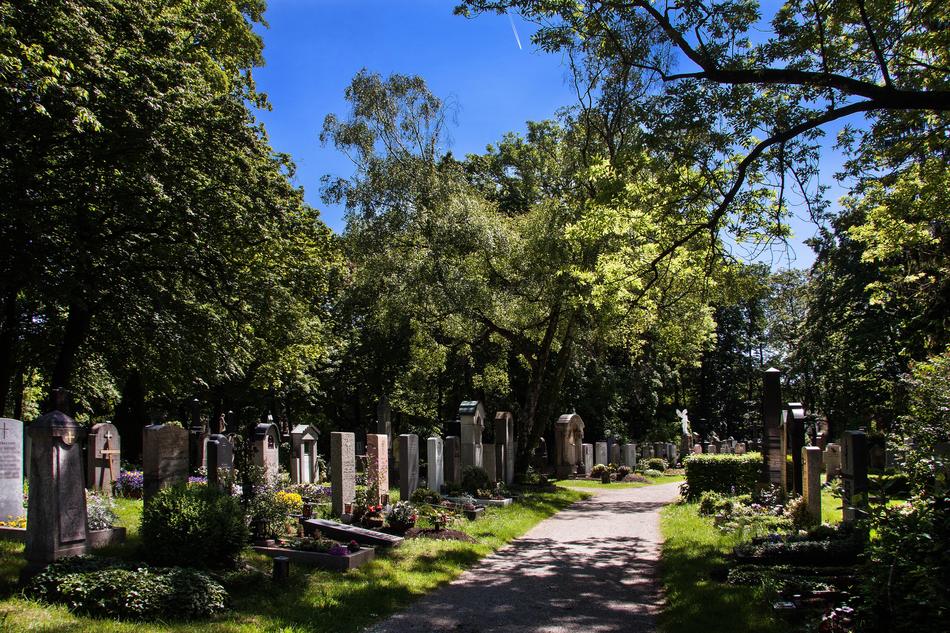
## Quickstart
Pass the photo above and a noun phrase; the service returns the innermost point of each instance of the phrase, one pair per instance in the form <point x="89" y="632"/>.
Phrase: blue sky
<point x="314" y="47"/>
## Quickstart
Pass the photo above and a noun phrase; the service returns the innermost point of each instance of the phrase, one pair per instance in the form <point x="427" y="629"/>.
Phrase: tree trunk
<point x="77" y="327"/>
<point x="9" y="327"/>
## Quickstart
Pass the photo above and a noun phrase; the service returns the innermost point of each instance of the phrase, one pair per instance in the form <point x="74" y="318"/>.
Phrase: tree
<point x="514" y="256"/>
<point x="744" y="105"/>
<point x="153" y="229"/>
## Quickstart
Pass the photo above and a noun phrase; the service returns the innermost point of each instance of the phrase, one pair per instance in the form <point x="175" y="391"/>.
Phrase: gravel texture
<point x="590" y="568"/>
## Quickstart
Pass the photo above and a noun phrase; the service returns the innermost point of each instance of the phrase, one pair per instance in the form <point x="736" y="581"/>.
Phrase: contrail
<point x="515" y="31"/>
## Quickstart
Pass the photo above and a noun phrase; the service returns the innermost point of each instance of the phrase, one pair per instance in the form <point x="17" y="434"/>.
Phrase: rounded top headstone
<point x="56" y="424"/>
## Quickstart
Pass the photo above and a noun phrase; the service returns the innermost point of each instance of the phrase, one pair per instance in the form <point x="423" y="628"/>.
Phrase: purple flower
<point x="129" y="483"/>
<point x="338" y="550"/>
<point x="197" y="480"/>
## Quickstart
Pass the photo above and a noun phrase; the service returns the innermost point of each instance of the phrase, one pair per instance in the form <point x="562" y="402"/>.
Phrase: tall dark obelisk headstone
<point x="795" y="430"/>
<point x="772" y="423"/>
<point x="56" y="513"/>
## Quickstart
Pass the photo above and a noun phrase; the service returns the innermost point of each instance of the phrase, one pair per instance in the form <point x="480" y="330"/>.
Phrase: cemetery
<point x="486" y="316"/>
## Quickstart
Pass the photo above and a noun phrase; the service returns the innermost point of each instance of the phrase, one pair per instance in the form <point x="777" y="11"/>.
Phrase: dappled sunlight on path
<point x="591" y="567"/>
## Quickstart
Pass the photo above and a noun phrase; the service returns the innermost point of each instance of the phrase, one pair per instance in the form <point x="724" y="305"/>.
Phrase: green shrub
<point x="728" y="474"/>
<point x="197" y="526"/>
<point x="475" y="479"/>
<point x="711" y="503"/>
<point x="649" y="472"/>
<point x="797" y="510"/>
<point x="655" y="463"/>
<point x="108" y="588"/>
<point x="424" y="495"/>
<point x="598" y="470"/>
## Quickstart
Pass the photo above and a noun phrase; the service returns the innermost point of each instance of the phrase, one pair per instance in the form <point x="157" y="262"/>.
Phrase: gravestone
<point x="220" y="427"/>
<point x="811" y="474"/>
<point x="725" y="448"/>
<point x="712" y="449"/>
<point x="615" y="454"/>
<point x="408" y="465"/>
<point x="488" y="462"/>
<point x="342" y="472"/>
<point x="304" y="465"/>
<point x="629" y="455"/>
<point x="672" y="452"/>
<point x="265" y="446"/>
<point x="832" y="461"/>
<point x="219" y="455"/>
<point x="568" y="444"/>
<point x="164" y="458"/>
<point x="697" y="449"/>
<point x="377" y="468"/>
<point x="600" y="453"/>
<point x="795" y="428"/>
<point x="472" y="416"/>
<point x="588" y="450"/>
<point x="453" y="461"/>
<point x="505" y="438"/>
<point x="659" y="450"/>
<point x="103" y="450"/>
<point x="740" y="448"/>
<point x="854" y="473"/>
<point x="56" y="513"/>
<point x="774" y="454"/>
<point x="11" y="469"/>
<point x="434" y="465"/>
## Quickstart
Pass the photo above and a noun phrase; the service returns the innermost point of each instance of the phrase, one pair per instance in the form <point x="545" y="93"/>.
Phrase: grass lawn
<point x="591" y="484"/>
<point x="692" y="549"/>
<point x="313" y="600"/>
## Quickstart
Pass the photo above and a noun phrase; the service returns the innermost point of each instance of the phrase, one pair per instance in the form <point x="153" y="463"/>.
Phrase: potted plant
<point x="100" y="519"/>
<point x="403" y="516"/>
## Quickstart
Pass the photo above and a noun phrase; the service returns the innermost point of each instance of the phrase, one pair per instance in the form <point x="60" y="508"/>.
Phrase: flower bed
<point x="321" y="553"/>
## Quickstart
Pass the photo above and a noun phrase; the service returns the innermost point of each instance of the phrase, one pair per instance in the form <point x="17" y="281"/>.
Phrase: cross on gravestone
<point x="11" y="469"/>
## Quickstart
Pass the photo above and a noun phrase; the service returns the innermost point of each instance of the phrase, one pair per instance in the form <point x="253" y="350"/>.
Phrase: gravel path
<point x="591" y="568"/>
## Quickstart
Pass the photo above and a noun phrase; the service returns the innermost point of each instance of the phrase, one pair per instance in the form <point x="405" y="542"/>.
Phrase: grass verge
<point x="313" y="600"/>
<point x="692" y="549"/>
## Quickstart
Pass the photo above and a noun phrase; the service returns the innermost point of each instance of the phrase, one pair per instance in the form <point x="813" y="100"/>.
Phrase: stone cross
<point x="342" y="471"/>
<point x="56" y="516"/>
<point x="377" y="468"/>
<point x="408" y="465"/>
<point x="434" y="464"/>
<point x="11" y="469"/>
<point x="164" y="458"/>
<point x="102" y="457"/>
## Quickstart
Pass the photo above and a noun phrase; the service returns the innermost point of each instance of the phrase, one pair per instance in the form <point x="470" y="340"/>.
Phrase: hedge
<point x="728" y="474"/>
